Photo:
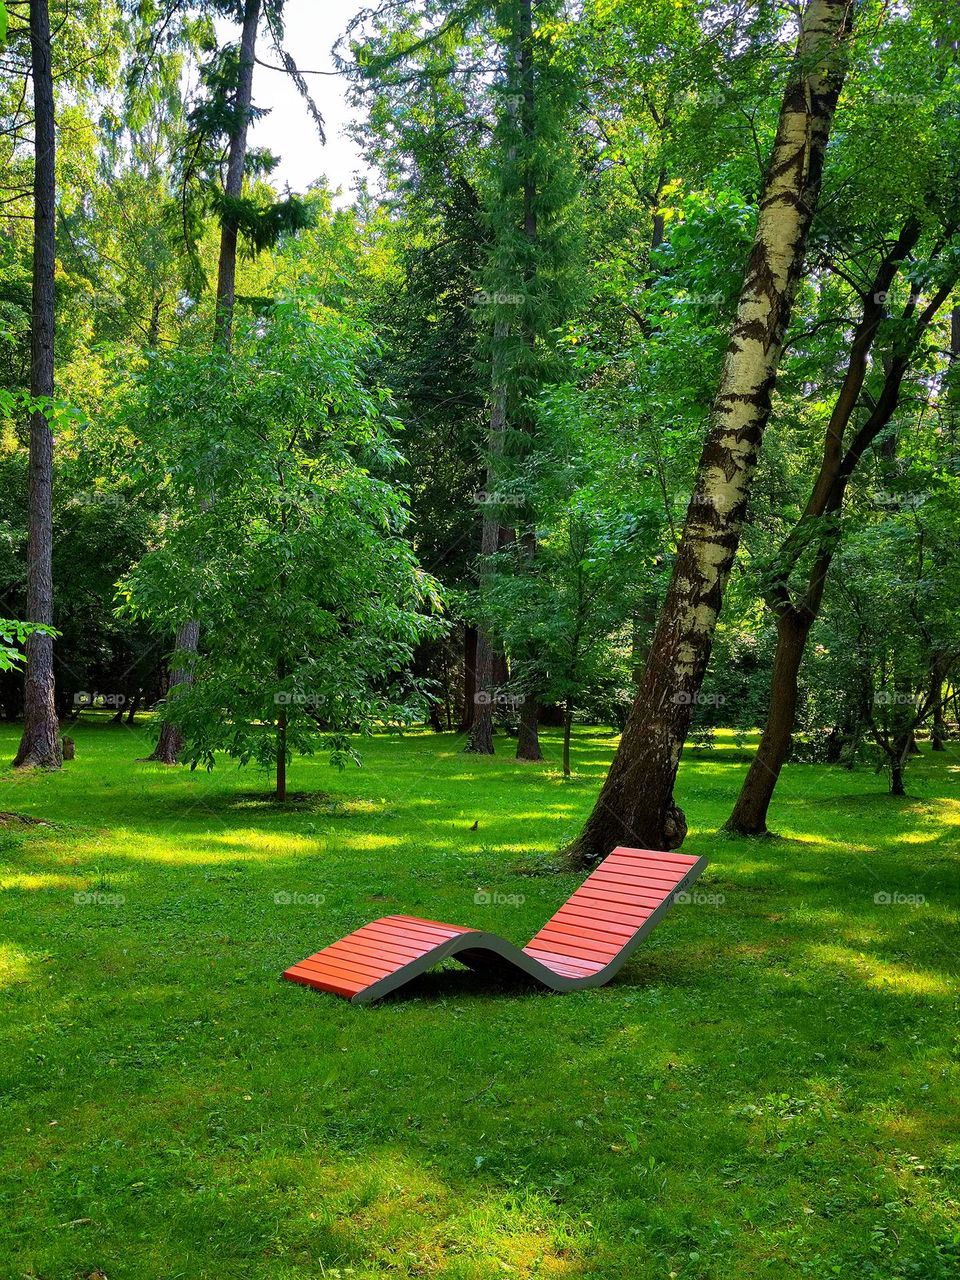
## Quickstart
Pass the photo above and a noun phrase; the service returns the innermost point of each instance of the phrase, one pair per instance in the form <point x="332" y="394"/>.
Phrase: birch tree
<point x="636" y="804"/>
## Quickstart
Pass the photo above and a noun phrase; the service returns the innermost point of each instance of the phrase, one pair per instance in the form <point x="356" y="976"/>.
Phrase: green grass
<point x="770" y="1088"/>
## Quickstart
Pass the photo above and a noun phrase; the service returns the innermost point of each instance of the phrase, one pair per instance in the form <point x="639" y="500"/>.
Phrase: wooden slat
<point x="377" y="947"/>
<point x="650" y="856"/>
<point x="306" y="979"/>
<point x="601" y="926"/>
<point x="570" y="945"/>
<point x="418" y="942"/>
<point x="644" y="884"/>
<point x="322" y="963"/>
<point x="603" y="945"/>
<point x="450" y="929"/>
<point x="605" y="915"/>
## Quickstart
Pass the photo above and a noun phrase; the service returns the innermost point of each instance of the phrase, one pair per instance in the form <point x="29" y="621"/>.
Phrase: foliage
<point x="15" y="634"/>
<point x="288" y="544"/>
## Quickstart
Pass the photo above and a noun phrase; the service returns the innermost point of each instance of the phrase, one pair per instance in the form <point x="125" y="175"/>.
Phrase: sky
<point x="312" y="28"/>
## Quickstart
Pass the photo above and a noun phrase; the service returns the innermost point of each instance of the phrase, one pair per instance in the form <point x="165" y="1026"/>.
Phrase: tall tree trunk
<point x="40" y="744"/>
<point x="233" y="186"/>
<point x="896" y="777"/>
<point x="528" y="739"/>
<point x="170" y="743"/>
<point x="749" y="816"/>
<point x="636" y="804"/>
<point x="567" y="729"/>
<point x="480" y="741"/>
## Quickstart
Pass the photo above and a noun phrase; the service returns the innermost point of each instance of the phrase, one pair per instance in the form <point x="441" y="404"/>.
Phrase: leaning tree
<point x="636" y="804"/>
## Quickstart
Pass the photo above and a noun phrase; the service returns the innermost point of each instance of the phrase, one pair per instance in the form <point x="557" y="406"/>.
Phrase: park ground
<point x="770" y="1088"/>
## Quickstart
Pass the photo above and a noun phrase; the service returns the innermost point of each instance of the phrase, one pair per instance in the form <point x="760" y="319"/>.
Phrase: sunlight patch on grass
<point x="14" y="964"/>
<point x="884" y="975"/>
<point x="398" y="1209"/>
<point x="24" y="881"/>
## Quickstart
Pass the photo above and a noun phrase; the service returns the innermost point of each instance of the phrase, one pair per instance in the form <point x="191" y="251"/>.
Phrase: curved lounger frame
<point x="583" y="945"/>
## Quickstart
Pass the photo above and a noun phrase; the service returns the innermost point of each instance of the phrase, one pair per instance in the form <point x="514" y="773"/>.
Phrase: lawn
<point x="771" y="1087"/>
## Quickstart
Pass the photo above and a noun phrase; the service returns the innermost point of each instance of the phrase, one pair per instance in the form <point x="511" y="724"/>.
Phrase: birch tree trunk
<point x="40" y="744"/>
<point x="636" y="805"/>
<point x="170" y="742"/>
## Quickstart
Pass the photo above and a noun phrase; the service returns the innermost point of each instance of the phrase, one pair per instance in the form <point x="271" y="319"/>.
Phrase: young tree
<point x="636" y="804"/>
<point x="564" y="627"/>
<point x="309" y="597"/>
<point x="893" y="612"/>
<point x="225" y="112"/>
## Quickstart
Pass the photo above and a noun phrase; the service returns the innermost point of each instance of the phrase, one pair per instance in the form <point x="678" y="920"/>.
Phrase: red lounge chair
<point x="583" y="945"/>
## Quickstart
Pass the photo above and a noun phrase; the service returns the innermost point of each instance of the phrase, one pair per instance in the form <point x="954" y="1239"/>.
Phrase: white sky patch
<point x="312" y="29"/>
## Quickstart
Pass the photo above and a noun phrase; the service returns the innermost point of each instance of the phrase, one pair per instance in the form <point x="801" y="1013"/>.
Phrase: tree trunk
<point x="567" y="727"/>
<point x="528" y="740"/>
<point x="480" y="741"/>
<point x="636" y="805"/>
<point x="171" y="739"/>
<point x="40" y="744"/>
<point x="132" y="711"/>
<point x="233" y="186"/>
<point x="170" y="743"/>
<point x="938" y="729"/>
<point x="749" y="817"/>
<point x="896" y="779"/>
<point x="469" y="677"/>
<point x="282" y="754"/>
